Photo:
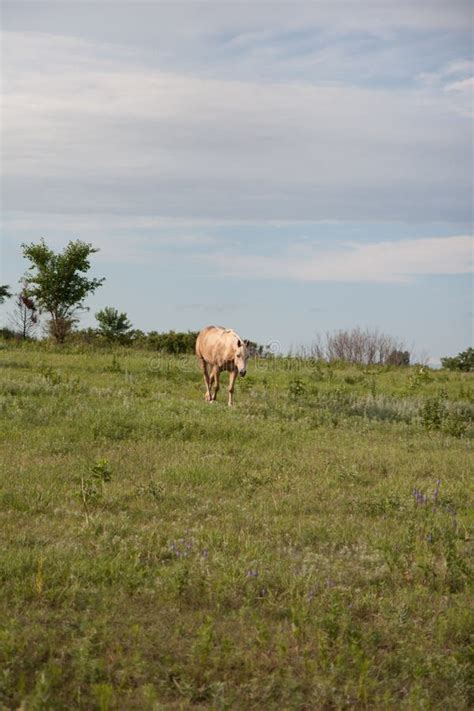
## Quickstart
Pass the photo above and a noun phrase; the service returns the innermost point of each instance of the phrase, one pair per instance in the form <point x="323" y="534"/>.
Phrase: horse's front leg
<point x="232" y="376"/>
<point x="205" y="372"/>
<point x="215" y="381"/>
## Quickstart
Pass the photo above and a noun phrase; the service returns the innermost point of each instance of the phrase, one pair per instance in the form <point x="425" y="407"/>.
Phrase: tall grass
<point x="296" y="551"/>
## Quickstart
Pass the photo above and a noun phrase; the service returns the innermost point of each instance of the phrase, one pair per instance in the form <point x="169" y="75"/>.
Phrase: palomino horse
<point x="219" y="349"/>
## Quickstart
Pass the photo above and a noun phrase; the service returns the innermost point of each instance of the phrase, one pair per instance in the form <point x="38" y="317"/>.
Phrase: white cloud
<point x="461" y="85"/>
<point x="447" y="71"/>
<point x="377" y="262"/>
<point x="456" y="81"/>
<point x="463" y="93"/>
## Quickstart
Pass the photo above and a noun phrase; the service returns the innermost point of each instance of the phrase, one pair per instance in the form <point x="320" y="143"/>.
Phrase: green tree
<point x="113" y="325"/>
<point x="4" y="293"/>
<point x="58" y="283"/>
<point x="463" y="361"/>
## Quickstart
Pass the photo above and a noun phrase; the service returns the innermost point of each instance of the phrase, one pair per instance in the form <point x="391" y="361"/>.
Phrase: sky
<point x="284" y="169"/>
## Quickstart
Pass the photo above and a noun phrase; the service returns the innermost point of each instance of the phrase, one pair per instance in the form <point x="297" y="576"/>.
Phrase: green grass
<point x="158" y="552"/>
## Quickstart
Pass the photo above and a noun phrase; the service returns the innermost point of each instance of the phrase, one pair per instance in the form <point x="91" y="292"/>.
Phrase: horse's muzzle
<point x="242" y="373"/>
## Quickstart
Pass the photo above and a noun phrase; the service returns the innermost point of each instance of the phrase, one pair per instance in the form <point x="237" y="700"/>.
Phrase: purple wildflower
<point x="420" y="498"/>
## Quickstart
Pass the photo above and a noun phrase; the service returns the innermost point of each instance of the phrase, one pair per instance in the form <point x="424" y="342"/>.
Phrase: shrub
<point x="8" y="334"/>
<point x="437" y="414"/>
<point x="433" y="412"/>
<point x="455" y="424"/>
<point x="365" y="347"/>
<point x="418" y="377"/>
<point x="398" y="357"/>
<point x="171" y="342"/>
<point x="296" y="388"/>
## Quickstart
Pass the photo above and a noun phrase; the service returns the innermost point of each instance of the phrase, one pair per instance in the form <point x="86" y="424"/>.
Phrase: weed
<point x="418" y="377"/>
<point x="114" y="366"/>
<point x="53" y="377"/>
<point x="92" y="485"/>
<point x="296" y="388"/>
<point x="455" y="424"/>
<point x="101" y="471"/>
<point x="151" y="489"/>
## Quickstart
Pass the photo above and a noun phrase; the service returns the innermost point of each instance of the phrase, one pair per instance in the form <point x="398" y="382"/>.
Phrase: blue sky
<point x="281" y="168"/>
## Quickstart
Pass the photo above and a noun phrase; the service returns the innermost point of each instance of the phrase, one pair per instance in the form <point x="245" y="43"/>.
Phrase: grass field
<point x="309" y="548"/>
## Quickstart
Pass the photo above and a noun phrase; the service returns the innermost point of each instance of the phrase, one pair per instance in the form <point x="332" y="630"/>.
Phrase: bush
<point x="8" y="334"/>
<point x="433" y="412"/>
<point x="397" y="357"/>
<point x="171" y="342"/>
<point x="437" y="413"/>
<point x="363" y="347"/>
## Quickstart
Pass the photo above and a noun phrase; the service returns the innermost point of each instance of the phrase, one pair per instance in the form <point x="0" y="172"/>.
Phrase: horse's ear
<point x="239" y="343"/>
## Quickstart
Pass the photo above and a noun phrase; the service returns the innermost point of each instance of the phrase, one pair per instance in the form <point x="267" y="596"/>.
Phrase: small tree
<point x="114" y="326"/>
<point x="4" y="292"/>
<point x="24" y="318"/>
<point x="58" y="284"/>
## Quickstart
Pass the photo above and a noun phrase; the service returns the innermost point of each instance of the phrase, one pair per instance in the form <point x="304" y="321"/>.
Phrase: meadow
<point x="310" y="548"/>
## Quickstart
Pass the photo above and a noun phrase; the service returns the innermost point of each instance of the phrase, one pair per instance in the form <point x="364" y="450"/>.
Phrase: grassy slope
<point x="267" y="556"/>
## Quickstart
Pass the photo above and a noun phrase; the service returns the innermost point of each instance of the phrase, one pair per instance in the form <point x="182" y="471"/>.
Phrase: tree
<point x="113" y="325"/>
<point x="58" y="282"/>
<point x="24" y="318"/>
<point x="4" y="293"/>
<point x="463" y="361"/>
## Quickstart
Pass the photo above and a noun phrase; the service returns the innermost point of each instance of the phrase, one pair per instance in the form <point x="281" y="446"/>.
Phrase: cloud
<point x="456" y="81"/>
<point x="447" y="71"/>
<point x="463" y="93"/>
<point x="237" y="112"/>
<point x="384" y="261"/>
<point x="462" y="85"/>
<point x="91" y="135"/>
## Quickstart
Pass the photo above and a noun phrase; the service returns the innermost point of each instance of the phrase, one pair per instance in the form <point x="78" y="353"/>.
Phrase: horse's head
<point x="241" y="356"/>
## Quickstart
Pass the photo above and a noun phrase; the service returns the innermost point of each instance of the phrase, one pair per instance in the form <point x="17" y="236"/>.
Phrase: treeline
<point x="169" y="342"/>
<point x="55" y="286"/>
<point x="172" y="342"/>
<point x="464" y="361"/>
